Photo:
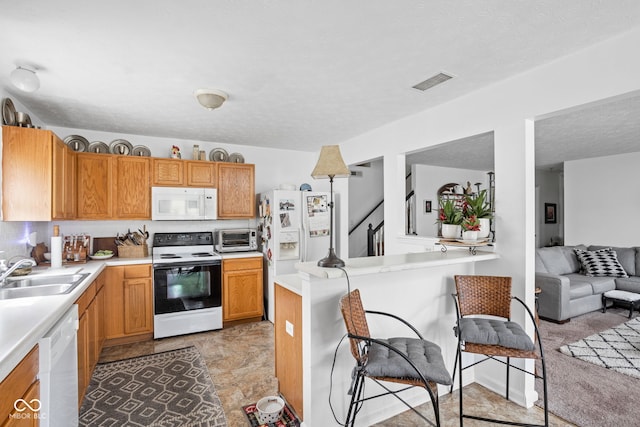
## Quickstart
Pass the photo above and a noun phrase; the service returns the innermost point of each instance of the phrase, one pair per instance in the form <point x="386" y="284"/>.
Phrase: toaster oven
<point x="236" y="240"/>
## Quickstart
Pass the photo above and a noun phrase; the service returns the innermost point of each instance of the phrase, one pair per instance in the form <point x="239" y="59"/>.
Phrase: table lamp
<point x="330" y="165"/>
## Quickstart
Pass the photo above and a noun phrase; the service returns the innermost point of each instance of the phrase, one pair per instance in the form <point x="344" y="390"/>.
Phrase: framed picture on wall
<point x="427" y="206"/>
<point x="550" y="213"/>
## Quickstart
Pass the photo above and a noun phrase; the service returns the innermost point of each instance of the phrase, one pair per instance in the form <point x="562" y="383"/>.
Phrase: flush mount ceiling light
<point x="210" y="98"/>
<point x="25" y="79"/>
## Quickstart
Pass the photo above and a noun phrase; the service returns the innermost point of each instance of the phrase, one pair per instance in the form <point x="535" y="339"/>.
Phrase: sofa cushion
<point x="626" y="257"/>
<point x="540" y="268"/>
<point x="560" y="259"/>
<point x="598" y="284"/>
<point x="600" y="263"/>
<point x="578" y="289"/>
<point x="630" y="284"/>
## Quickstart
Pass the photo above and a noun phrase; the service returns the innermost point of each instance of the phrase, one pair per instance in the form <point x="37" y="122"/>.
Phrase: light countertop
<point x="23" y="321"/>
<point x="382" y="264"/>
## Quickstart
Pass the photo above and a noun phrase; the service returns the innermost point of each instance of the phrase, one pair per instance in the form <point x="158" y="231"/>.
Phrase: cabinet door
<point x="288" y="345"/>
<point x="242" y="289"/>
<point x="26" y="418"/>
<point x="17" y="384"/>
<point x="236" y="190"/>
<point x="138" y="306"/>
<point x="58" y="191"/>
<point x="132" y="194"/>
<point x="84" y="373"/>
<point x="70" y="202"/>
<point x="168" y="172"/>
<point x="26" y="174"/>
<point x="94" y="174"/>
<point x="202" y="174"/>
<point x="114" y="302"/>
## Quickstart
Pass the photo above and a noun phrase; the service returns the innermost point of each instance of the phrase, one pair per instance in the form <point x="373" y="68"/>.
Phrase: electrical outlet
<point x="288" y="327"/>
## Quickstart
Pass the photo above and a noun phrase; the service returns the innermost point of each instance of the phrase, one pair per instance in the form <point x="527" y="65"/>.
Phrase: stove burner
<point x="202" y="254"/>
<point x="169" y="256"/>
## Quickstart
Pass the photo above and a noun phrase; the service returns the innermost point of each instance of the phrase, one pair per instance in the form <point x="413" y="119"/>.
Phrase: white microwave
<point x="183" y="204"/>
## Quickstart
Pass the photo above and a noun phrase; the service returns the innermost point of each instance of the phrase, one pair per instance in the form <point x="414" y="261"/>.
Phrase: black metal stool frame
<point x="458" y="364"/>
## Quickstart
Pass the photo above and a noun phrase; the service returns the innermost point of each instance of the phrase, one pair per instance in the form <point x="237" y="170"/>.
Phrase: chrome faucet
<point x="18" y="264"/>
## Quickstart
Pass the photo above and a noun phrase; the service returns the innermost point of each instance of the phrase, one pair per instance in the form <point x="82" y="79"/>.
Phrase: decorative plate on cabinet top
<point x="120" y="146"/>
<point x="8" y="112"/>
<point x="236" y="158"/>
<point x="218" y="155"/>
<point x="77" y="142"/>
<point x="98" y="147"/>
<point x="141" y="150"/>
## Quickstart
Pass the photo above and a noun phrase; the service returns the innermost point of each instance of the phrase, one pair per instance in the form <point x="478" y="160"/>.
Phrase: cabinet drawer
<point x="15" y="385"/>
<point x="137" y="271"/>
<point x="242" y="264"/>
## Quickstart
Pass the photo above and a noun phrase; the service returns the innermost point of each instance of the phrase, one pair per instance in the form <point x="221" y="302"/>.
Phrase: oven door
<point x="190" y="286"/>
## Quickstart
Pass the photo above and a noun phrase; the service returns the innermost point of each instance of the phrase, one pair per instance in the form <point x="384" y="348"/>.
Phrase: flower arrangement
<point x="471" y="223"/>
<point x="477" y="205"/>
<point x="450" y="212"/>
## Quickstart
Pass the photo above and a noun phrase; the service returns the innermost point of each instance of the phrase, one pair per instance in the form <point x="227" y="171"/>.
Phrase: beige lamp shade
<point x="330" y="164"/>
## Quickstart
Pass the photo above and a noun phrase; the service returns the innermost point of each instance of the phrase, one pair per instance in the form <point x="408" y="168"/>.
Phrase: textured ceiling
<point x="300" y="74"/>
<point x="603" y="129"/>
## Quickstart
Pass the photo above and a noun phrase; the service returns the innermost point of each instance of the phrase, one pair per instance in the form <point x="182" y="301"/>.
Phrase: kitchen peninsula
<point x="309" y="326"/>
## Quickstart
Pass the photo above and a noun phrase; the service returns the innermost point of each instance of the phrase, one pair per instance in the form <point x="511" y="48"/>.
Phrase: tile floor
<point x="241" y="365"/>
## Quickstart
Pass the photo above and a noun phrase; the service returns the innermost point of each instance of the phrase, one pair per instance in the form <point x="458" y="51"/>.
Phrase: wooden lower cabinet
<point x="90" y="332"/>
<point x="288" y="346"/>
<point x="128" y="304"/>
<point x="21" y="383"/>
<point x="242" y="289"/>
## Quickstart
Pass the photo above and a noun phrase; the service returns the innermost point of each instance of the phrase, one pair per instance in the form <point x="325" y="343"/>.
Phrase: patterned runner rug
<point x="163" y="389"/>
<point x="617" y="348"/>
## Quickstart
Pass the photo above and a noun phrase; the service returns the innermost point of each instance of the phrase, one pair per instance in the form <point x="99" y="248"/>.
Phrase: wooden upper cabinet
<point x="236" y="190"/>
<point x="168" y="172"/>
<point x="132" y="193"/>
<point x="37" y="176"/>
<point x="64" y="180"/>
<point x="94" y="186"/>
<point x="202" y="174"/>
<point x="180" y="173"/>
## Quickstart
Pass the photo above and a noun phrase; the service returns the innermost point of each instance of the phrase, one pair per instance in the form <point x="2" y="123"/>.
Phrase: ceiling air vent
<point x="432" y="81"/>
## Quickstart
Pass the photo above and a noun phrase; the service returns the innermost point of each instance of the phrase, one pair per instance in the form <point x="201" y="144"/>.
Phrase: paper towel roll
<point x="56" y="252"/>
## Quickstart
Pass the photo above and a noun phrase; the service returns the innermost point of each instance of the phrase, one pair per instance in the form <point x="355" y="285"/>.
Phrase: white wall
<point x="602" y="200"/>
<point x="427" y="180"/>
<point x="507" y="109"/>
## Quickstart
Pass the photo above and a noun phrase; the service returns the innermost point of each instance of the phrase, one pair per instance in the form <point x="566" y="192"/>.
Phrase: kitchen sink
<point x="35" y="286"/>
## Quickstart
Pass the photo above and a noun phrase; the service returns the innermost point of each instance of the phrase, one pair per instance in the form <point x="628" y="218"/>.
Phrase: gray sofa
<point x="567" y="292"/>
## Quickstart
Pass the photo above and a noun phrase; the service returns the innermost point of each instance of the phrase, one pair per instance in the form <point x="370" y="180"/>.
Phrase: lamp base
<point x="331" y="260"/>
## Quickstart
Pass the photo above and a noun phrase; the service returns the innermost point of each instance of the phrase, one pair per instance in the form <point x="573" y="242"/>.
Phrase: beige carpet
<point x="583" y="393"/>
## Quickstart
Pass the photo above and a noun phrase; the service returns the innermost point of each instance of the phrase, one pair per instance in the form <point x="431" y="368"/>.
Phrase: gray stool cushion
<point x="383" y="362"/>
<point x="494" y="332"/>
<point x="622" y="295"/>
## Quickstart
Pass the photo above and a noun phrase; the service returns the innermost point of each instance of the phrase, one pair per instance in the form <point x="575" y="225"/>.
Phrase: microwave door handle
<point x="201" y="205"/>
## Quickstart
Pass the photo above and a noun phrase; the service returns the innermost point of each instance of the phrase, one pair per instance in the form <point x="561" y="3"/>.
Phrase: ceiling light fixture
<point x="25" y="79"/>
<point x="211" y="98"/>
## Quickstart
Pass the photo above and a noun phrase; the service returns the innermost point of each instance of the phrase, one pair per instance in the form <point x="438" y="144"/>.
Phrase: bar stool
<point x="414" y="362"/>
<point x="484" y="326"/>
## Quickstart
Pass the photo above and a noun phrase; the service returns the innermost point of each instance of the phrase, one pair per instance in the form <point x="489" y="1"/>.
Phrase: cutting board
<point x="105" y="243"/>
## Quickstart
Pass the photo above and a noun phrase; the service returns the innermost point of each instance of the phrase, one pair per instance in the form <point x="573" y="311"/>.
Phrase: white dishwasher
<point x="59" y="372"/>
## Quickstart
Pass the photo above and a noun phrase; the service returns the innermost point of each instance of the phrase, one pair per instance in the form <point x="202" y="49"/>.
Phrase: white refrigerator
<point x="295" y="228"/>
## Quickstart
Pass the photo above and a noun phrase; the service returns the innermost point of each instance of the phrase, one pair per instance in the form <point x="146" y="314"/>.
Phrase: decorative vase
<point x="485" y="228"/>
<point x="470" y="235"/>
<point x="450" y="231"/>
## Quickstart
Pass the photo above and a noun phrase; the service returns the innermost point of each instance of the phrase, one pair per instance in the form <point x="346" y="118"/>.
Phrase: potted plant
<point x="450" y="217"/>
<point x="478" y="206"/>
<point x="470" y="227"/>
